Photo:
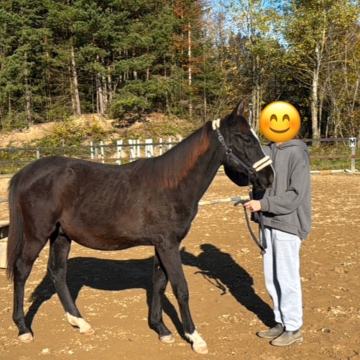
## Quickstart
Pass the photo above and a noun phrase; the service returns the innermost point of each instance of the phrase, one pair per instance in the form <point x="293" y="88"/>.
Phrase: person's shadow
<point x="227" y="275"/>
<point x="118" y="275"/>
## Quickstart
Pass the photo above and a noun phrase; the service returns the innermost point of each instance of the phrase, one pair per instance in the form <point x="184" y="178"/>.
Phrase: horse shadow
<point x="102" y="274"/>
<point x="117" y="275"/>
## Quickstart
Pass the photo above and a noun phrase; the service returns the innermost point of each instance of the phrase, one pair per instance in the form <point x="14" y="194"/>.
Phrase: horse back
<point x="100" y="206"/>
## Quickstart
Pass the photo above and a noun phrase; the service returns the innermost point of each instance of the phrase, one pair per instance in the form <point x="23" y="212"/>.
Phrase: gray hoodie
<point x="286" y="205"/>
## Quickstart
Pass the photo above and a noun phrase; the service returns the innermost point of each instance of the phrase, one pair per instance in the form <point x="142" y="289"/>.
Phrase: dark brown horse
<point x="111" y="207"/>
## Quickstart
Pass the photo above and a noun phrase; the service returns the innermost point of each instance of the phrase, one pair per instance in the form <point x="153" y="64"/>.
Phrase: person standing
<point x="286" y="209"/>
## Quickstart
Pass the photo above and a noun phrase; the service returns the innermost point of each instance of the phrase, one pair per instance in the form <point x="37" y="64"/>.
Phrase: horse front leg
<point x="170" y="258"/>
<point x="160" y="281"/>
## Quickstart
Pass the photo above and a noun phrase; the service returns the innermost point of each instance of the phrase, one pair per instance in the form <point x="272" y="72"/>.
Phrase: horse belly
<point x="103" y="237"/>
<point x="109" y="244"/>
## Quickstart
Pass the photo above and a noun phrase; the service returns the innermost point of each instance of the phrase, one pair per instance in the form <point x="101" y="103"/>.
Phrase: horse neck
<point x="204" y="172"/>
<point x="194" y="164"/>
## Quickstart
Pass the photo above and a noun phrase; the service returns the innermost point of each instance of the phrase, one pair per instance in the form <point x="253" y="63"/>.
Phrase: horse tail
<point x="16" y="227"/>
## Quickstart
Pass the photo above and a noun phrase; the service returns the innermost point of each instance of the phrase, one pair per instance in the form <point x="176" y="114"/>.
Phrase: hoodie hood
<point x="290" y="143"/>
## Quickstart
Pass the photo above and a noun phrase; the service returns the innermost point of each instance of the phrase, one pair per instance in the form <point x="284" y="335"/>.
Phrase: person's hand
<point x="253" y="205"/>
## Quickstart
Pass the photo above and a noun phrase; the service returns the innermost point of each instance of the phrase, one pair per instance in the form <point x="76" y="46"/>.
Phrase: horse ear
<point x="240" y="108"/>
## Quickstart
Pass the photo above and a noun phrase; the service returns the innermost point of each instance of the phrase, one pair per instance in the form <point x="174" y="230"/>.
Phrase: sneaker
<point x="271" y="333"/>
<point x="287" y="338"/>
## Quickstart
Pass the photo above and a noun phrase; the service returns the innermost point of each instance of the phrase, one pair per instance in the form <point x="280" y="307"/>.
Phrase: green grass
<point x="331" y="156"/>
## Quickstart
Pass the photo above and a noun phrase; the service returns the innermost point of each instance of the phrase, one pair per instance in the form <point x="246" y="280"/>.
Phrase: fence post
<point x="149" y="148"/>
<point x="138" y="149"/>
<point x="92" y="152"/>
<point x="63" y="147"/>
<point x="102" y="152"/>
<point x="118" y="151"/>
<point x="352" y="144"/>
<point x="132" y="149"/>
<point x="96" y="151"/>
<point x="160" y="146"/>
<point x="169" y="146"/>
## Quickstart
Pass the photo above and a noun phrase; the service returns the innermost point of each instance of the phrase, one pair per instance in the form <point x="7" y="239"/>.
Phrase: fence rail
<point x="119" y="152"/>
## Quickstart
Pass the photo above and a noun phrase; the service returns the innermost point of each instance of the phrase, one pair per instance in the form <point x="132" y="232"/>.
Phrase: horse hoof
<point x="167" y="339"/>
<point x="198" y="343"/>
<point x="84" y="327"/>
<point x="201" y="349"/>
<point x="88" y="332"/>
<point x="26" y="338"/>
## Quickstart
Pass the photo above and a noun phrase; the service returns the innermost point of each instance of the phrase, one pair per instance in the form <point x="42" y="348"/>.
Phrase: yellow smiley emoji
<point x="279" y="121"/>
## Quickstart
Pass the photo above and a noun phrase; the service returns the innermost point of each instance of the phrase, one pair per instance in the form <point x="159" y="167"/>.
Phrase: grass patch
<point x="335" y="156"/>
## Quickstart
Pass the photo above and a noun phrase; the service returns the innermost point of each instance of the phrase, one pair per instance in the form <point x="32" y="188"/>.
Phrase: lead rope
<point x="261" y="243"/>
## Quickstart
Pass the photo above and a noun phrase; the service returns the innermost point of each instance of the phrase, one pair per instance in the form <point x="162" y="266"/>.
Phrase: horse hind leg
<point x="160" y="281"/>
<point x="57" y="268"/>
<point x="22" y="269"/>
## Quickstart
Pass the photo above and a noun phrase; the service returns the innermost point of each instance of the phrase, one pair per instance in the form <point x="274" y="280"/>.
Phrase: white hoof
<point x="167" y="339"/>
<point x="198" y="343"/>
<point x="200" y="349"/>
<point x="26" y="338"/>
<point x="90" y="331"/>
<point x="84" y="327"/>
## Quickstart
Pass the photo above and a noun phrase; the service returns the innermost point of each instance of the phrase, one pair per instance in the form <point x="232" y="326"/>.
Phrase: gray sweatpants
<point x="282" y="277"/>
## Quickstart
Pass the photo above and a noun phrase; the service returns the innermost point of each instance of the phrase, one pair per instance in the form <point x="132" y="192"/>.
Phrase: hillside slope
<point x="154" y="126"/>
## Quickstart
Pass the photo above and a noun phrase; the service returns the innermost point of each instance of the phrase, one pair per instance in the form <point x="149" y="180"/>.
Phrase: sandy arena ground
<point x="227" y="295"/>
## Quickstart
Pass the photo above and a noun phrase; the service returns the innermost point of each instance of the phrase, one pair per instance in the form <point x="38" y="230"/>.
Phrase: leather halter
<point x="256" y="167"/>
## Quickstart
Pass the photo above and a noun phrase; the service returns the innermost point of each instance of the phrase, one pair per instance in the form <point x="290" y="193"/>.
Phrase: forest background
<point x="193" y="59"/>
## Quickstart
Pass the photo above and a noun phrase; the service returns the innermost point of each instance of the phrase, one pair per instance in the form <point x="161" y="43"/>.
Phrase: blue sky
<point x="233" y="7"/>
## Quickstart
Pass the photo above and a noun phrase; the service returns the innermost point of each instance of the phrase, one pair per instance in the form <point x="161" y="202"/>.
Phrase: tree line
<point x="194" y="59"/>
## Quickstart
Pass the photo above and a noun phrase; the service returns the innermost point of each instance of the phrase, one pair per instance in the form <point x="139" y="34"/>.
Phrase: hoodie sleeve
<point x="299" y="184"/>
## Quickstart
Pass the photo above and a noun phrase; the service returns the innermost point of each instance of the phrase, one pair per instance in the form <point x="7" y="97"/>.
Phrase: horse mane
<point x="174" y="165"/>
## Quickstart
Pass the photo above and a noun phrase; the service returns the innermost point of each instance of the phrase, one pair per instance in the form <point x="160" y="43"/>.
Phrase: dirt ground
<point x="227" y="295"/>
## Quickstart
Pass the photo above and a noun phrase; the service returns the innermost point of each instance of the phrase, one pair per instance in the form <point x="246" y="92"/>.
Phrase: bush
<point x="65" y="132"/>
<point x="126" y="102"/>
<point x="14" y="120"/>
<point x="137" y="97"/>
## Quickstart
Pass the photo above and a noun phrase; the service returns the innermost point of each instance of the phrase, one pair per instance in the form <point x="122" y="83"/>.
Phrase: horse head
<point x="244" y="160"/>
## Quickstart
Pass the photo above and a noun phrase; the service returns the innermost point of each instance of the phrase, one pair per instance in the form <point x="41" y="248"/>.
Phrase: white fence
<point x="123" y="151"/>
<point x="130" y="150"/>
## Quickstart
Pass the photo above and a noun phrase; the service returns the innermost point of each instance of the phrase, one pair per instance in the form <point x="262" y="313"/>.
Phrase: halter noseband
<point x="256" y="167"/>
